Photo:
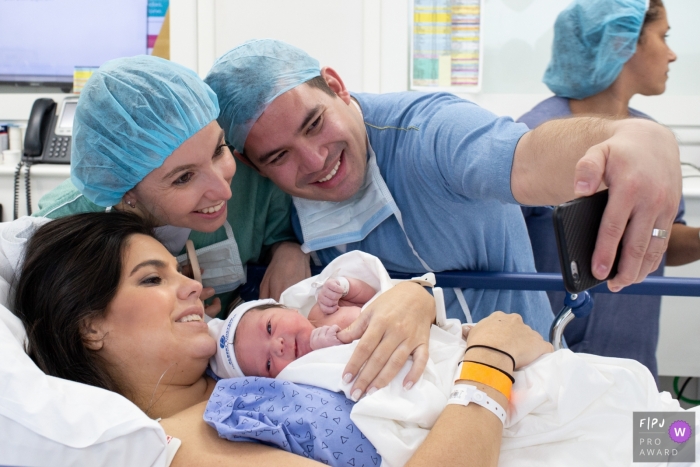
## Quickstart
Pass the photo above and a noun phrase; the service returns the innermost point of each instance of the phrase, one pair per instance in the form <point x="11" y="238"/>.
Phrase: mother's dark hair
<point x="71" y="272"/>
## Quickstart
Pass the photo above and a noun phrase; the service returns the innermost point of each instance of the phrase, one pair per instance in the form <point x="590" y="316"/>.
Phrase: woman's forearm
<point x="463" y="436"/>
<point x="683" y="245"/>
<point x="471" y="435"/>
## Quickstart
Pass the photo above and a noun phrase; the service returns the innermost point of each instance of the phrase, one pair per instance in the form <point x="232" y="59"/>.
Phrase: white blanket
<point x="566" y="409"/>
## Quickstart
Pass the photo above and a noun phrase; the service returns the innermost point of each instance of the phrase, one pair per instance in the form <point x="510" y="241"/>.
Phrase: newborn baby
<point x="262" y="337"/>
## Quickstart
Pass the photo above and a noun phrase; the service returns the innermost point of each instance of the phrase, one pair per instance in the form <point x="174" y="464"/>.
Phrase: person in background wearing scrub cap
<point x="604" y="52"/>
<point x="146" y="141"/>
<point x="432" y="181"/>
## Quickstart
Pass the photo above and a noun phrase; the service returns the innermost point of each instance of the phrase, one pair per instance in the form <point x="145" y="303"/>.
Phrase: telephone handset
<point x="38" y="127"/>
<point x="48" y="136"/>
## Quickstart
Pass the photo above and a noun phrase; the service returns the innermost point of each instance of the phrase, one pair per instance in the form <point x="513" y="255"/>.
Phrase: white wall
<point x="345" y="35"/>
<point x="367" y="42"/>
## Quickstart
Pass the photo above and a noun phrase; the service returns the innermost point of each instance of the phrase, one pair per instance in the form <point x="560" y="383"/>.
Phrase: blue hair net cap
<point x="593" y="39"/>
<point x="249" y="77"/>
<point x="132" y="114"/>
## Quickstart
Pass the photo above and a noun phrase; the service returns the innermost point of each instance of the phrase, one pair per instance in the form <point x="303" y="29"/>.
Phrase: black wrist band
<point x="494" y="349"/>
<point x="510" y="377"/>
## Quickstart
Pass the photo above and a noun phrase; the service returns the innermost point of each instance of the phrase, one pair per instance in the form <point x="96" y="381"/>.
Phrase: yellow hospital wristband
<point x="484" y="374"/>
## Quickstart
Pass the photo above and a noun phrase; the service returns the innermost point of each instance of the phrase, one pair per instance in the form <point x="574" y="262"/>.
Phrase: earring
<point x="132" y="206"/>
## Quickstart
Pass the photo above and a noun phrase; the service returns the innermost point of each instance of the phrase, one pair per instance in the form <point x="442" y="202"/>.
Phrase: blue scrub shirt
<point x="447" y="163"/>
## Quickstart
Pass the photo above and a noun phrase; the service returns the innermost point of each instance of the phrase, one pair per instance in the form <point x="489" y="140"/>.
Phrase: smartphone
<point x="576" y="226"/>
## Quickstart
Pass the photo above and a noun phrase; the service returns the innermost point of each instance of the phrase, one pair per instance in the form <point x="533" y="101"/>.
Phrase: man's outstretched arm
<point x="638" y="160"/>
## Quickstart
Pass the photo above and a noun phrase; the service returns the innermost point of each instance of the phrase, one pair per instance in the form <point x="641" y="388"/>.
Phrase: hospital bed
<point x="49" y="421"/>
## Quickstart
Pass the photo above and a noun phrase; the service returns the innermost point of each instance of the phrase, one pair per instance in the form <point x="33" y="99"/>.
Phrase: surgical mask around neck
<point x="326" y="224"/>
<point x="329" y="223"/>
<point x="221" y="264"/>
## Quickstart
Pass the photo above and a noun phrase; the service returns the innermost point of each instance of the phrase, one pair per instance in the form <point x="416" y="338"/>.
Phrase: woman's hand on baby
<point x="395" y="326"/>
<point x="324" y="336"/>
<point x="329" y="295"/>
<point x="215" y="307"/>
<point x="508" y="333"/>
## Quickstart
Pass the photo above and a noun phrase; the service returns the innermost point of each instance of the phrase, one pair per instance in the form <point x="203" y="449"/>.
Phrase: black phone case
<point x="576" y="225"/>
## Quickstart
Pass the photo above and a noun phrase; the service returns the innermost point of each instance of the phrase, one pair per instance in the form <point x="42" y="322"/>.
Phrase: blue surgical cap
<point x="132" y="114"/>
<point x="249" y="77"/>
<point x="593" y="39"/>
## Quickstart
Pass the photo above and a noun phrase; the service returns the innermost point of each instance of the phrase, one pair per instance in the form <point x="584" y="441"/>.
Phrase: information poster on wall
<point x="446" y="46"/>
<point x="158" y="28"/>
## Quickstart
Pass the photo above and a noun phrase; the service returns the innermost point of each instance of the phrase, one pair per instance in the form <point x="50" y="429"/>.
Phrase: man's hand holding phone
<point x="640" y="164"/>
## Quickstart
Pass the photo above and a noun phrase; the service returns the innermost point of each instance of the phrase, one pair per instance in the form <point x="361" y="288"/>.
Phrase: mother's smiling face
<point x="105" y="304"/>
<point x="154" y="324"/>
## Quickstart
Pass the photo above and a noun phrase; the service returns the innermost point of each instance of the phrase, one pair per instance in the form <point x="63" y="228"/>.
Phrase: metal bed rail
<point x="575" y="305"/>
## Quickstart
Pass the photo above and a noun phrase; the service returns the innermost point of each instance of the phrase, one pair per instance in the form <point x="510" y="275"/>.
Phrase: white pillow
<point x="51" y="421"/>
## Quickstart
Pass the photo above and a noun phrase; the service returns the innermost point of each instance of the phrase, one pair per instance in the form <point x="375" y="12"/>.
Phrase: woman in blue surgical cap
<point x="146" y="141"/>
<point x="605" y="52"/>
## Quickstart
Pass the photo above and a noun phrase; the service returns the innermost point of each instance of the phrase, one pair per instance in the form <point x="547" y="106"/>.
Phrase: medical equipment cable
<point x="679" y="394"/>
<point x="693" y="166"/>
<point x="685" y="384"/>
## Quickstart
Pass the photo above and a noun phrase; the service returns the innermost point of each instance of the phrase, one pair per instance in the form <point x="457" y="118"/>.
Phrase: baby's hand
<point x="330" y="294"/>
<point x="324" y="336"/>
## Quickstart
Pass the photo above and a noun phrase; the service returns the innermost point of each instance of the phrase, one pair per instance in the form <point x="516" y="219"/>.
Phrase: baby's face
<point x="269" y="340"/>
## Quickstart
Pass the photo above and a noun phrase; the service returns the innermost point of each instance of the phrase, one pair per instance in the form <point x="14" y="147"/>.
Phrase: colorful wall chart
<point x="158" y="28"/>
<point x="446" y="45"/>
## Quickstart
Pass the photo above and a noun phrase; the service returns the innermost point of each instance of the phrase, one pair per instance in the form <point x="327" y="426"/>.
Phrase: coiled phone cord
<point x="17" y="172"/>
<point x="27" y="186"/>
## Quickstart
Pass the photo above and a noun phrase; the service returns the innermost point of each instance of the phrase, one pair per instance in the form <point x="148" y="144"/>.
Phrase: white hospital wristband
<point x="464" y="394"/>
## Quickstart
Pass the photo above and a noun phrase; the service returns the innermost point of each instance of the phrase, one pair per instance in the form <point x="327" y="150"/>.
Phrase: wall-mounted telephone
<point x="48" y="136"/>
<point x="47" y="140"/>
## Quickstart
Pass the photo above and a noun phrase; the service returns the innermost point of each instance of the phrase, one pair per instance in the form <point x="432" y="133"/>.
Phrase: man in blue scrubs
<point x="433" y="182"/>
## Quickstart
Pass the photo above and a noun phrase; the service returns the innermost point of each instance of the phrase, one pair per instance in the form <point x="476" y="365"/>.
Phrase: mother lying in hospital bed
<point x="105" y="304"/>
<point x="131" y="326"/>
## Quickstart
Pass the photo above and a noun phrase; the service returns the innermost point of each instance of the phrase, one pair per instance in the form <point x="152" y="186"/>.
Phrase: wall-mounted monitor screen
<point x="42" y="41"/>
